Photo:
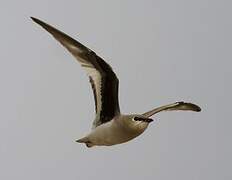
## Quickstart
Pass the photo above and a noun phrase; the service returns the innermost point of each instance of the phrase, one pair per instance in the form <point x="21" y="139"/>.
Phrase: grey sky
<point x="162" y="51"/>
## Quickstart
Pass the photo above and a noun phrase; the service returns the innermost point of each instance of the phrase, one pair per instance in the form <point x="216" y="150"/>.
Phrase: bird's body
<point x="110" y="127"/>
<point x="116" y="131"/>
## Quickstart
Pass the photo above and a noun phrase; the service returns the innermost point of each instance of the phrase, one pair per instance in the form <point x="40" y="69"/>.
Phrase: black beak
<point x="148" y="120"/>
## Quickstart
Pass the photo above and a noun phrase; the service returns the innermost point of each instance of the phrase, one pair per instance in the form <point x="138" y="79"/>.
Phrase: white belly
<point x="113" y="133"/>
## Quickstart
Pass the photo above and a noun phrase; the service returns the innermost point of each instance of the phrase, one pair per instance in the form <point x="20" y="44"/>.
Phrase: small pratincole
<point x="110" y="127"/>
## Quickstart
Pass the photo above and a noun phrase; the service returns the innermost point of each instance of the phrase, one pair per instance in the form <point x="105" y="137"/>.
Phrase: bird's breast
<point x="112" y="132"/>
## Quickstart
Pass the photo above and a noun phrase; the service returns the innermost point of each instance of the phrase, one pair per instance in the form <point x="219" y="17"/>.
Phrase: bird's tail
<point x="86" y="141"/>
<point x="173" y="107"/>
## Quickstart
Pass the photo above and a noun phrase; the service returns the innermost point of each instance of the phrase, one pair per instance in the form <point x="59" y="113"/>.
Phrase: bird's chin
<point x="141" y="126"/>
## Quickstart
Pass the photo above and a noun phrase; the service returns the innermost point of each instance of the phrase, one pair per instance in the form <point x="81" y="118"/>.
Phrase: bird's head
<point x="141" y="118"/>
<point x="136" y="122"/>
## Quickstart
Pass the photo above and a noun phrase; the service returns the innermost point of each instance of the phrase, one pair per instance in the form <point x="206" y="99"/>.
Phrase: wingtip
<point x="37" y="20"/>
<point x="34" y="19"/>
<point x="46" y="26"/>
<point x="194" y="107"/>
<point x="198" y="109"/>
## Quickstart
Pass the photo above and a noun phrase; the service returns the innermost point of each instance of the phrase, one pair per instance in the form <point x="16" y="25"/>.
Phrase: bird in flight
<point x="110" y="127"/>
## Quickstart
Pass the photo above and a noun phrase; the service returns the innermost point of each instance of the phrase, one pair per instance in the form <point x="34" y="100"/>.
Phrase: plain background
<point x="162" y="50"/>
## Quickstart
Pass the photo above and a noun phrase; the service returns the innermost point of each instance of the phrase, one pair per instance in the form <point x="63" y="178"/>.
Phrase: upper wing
<point x="173" y="107"/>
<point x="103" y="80"/>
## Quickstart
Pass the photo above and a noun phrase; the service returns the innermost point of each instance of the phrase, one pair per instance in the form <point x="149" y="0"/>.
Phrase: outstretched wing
<point x="103" y="80"/>
<point x="184" y="106"/>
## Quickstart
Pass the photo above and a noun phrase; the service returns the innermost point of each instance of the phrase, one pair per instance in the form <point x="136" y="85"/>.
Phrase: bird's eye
<point x="136" y="118"/>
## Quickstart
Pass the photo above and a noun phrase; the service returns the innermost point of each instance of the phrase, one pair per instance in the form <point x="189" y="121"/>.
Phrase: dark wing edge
<point x="107" y="91"/>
